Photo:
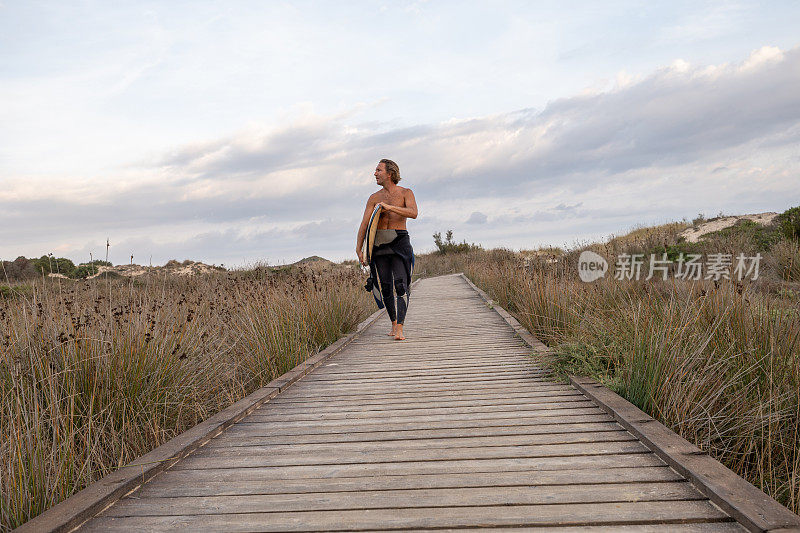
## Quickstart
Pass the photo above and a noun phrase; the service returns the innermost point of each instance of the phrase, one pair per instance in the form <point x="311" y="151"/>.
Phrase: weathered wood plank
<point x="407" y="498"/>
<point x="464" y="399"/>
<point x="255" y="457"/>
<point x="509" y="424"/>
<point x="697" y="527"/>
<point x="182" y="483"/>
<point x="381" y="519"/>
<point x="428" y="410"/>
<point x="312" y="393"/>
<point x="422" y="371"/>
<point x="261" y="443"/>
<point x="593" y="462"/>
<point x="496" y="416"/>
<point x="265" y="435"/>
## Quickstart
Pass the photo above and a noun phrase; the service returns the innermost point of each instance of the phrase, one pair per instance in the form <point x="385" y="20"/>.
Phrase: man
<point x="392" y="256"/>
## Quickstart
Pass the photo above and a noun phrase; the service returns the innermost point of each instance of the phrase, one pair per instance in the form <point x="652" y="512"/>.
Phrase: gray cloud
<point x="477" y="218"/>
<point x="651" y="138"/>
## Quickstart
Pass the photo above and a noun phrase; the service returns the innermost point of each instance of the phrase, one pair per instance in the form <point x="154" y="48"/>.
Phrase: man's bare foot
<point x="394" y="330"/>
<point x="398" y="334"/>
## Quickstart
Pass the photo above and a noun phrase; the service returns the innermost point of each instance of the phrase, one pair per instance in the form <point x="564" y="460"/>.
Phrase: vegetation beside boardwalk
<point x="96" y="373"/>
<point x="719" y="363"/>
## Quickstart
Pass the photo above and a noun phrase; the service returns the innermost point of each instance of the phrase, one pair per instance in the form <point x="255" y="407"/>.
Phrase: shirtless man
<point x="392" y="256"/>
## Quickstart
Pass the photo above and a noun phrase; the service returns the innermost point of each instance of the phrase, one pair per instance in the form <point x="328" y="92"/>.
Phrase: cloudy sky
<point x="234" y="132"/>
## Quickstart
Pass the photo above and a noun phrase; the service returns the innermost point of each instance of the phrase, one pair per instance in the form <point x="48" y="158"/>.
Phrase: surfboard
<point x="372" y="229"/>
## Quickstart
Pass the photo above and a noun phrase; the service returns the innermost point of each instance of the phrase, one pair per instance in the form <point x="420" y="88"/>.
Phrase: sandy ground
<point x="693" y="234"/>
<point x="179" y="269"/>
<point x="192" y="268"/>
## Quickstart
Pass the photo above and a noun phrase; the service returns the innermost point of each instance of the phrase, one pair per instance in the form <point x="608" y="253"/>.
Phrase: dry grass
<point x="97" y="373"/>
<point x="719" y="363"/>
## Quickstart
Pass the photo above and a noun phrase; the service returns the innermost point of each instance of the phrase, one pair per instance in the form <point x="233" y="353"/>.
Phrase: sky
<point x="242" y="132"/>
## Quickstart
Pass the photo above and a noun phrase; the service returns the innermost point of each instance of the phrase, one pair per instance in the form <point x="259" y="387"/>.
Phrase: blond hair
<point x="392" y="169"/>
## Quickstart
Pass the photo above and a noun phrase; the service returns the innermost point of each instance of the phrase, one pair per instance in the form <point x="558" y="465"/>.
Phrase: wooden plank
<point x="515" y="425"/>
<point x="420" y="404"/>
<point x="514" y="464"/>
<point x="438" y="391"/>
<point x="496" y="416"/>
<point x="422" y="370"/>
<point x="696" y="527"/>
<point x="486" y="398"/>
<point x="431" y="386"/>
<point x="262" y="443"/>
<point x="414" y="378"/>
<point x="428" y="410"/>
<point x="267" y="436"/>
<point x="347" y="365"/>
<point x="406" y="498"/>
<point x="379" y="371"/>
<point x="382" y="519"/>
<point x="471" y="377"/>
<point x="443" y="356"/>
<point x="256" y="457"/>
<point x="177" y="483"/>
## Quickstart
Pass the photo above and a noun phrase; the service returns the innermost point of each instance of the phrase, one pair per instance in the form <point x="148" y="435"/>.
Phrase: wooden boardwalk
<point x="456" y="428"/>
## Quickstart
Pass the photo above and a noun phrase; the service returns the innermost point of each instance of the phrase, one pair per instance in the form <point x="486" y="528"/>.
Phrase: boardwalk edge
<point x="743" y="501"/>
<point x="71" y="513"/>
<point x="750" y="506"/>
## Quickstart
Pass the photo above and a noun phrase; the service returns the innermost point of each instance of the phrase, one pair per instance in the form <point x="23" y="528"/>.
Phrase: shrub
<point x="450" y="246"/>
<point x="20" y="269"/>
<point x="789" y="222"/>
<point x="746" y="233"/>
<point x="13" y="291"/>
<point x="60" y="265"/>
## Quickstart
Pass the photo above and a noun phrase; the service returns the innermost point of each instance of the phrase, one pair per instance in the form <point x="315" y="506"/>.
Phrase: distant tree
<point x="789" y="222"/>
<point x="448" y="245"/>
<point x="48" y="264"/>
<point x="20" y="269"/>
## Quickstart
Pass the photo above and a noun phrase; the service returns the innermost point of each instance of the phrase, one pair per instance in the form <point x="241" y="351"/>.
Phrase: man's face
<point x="381" y="176"/>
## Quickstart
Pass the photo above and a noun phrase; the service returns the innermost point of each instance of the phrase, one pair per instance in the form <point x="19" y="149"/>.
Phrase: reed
<point x="97" y="373"/>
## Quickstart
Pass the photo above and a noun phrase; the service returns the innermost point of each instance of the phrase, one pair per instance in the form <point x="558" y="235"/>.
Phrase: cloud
<point x="477" y="218"/>
<point x="681" y="138"/>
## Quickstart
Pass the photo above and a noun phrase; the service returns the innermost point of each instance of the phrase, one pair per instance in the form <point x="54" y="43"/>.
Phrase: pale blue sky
<point x="213" y="130"/>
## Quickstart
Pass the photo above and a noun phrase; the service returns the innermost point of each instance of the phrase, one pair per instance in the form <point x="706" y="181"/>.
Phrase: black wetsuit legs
<point x="391" y="273"/>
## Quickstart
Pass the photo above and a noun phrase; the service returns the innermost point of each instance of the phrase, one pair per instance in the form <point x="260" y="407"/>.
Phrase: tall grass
<point x="97" y="373"/>
<point x="719" y="363"/>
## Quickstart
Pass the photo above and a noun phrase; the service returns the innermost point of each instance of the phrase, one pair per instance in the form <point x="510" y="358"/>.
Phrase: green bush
<point x="20" y="269"/>
<point x="84" y="270"/>
<point x="450" y="246"/>
<point x="789" y="222"/>
<point x="59" y="265"/>
<point x="12" y="291"/>
<point x="761" y="237"/>
<point x="674" y="251"/>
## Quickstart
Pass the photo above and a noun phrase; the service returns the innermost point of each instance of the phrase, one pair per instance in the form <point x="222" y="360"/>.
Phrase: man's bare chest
<point x="396" y="199"/>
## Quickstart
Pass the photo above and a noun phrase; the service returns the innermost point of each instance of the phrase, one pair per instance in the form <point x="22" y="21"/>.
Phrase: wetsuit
<point x="391" y="267"/>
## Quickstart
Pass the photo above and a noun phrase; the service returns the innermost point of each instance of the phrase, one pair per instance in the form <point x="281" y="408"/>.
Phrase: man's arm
<point x="362" y="230"/>
<point x="409" y="211"/>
